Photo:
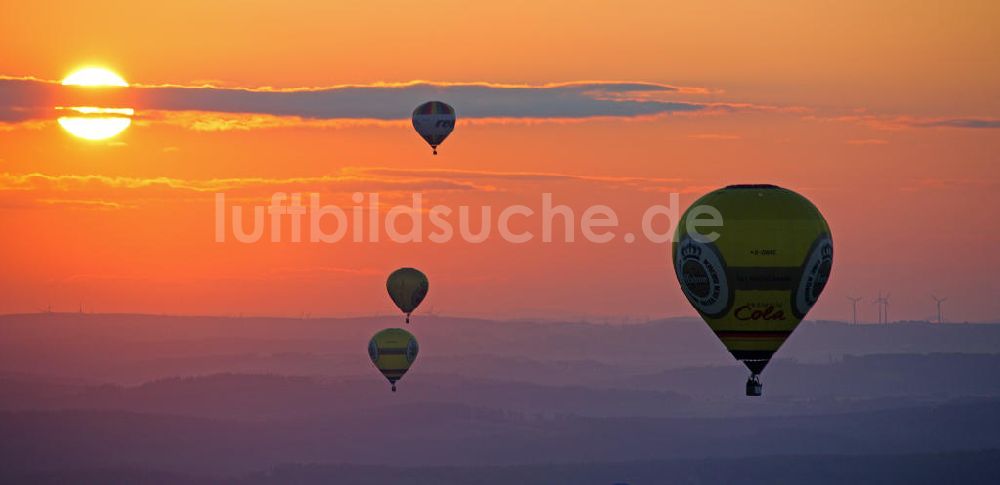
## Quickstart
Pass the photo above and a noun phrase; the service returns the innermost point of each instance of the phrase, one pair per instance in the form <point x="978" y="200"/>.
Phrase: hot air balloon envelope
<point x="434" y="121"/>
<point x="407" y="287"/>
<point x="766" y="269"/>
<point x="393" y="351"/>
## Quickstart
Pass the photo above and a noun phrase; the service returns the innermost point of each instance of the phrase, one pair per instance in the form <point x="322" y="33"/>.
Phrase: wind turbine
<point x="854" y="307"/>
<point x="883" y="307"/>
<point x="939" y="301"/>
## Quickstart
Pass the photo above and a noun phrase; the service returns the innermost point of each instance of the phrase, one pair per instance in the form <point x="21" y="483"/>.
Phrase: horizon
<point x="593" y="319"/>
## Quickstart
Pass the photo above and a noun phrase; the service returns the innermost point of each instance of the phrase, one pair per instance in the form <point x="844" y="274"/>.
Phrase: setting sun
<point x="94" y="76"/>
<point x="90" y="122"/>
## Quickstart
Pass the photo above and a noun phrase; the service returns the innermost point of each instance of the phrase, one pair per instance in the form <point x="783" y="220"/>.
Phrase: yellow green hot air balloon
<point x="393" y="351"/>
<point x="759" y="278"/>
<point x="407" y="287"/>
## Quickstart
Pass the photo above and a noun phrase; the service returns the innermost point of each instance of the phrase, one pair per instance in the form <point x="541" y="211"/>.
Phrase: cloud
<point x="37" y="190"/>
<point x="959" y="123"/>
<point x="714" y="136"/>
<point x="867" y="141"/>
<point x="339" y="183"/>
<point x="214" y="122"/>
<point x="896" y="123"/>
<point x="23" y="99"/>
<point x="30" y="102"/>
<point x="396" y="101"/>
<point x="283" y="273"/>
<point x="947" y="183"/>
<point x="82" y="204"/>
<point x="484" y="177"/>
<point x="487" y="174"/>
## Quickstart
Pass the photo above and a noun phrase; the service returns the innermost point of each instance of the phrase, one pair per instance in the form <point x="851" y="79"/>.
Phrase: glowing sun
<point x="91" y="122"/>
<point x="94" y="76"/>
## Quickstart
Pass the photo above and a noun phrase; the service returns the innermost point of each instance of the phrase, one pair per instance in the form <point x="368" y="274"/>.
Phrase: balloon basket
<point x="754" y="387"/>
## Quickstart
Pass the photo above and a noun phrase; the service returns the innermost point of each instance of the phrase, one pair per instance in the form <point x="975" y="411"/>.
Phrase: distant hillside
<point x="848" y="385"/>
<point x="137" y="348"/>
<point x="148" y="399"/>
<point x="446" y="434"/>
<point x="969" y="468"/>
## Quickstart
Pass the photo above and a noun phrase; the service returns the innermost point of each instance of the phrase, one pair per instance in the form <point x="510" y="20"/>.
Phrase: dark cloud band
<point x="24" y="99"/>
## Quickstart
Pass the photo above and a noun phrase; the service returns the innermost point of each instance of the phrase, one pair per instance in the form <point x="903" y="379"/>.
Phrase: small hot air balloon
<point x="759" y="278"/>
<point x="407" y="287"/>
<point x="393" y="351"/>
<point x="434" y="121"/>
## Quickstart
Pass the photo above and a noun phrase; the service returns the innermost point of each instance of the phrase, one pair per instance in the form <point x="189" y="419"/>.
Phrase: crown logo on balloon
<point x="691" y="251"/>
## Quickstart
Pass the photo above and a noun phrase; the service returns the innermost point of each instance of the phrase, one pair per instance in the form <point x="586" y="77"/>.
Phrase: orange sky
<point x="886" y="116"/>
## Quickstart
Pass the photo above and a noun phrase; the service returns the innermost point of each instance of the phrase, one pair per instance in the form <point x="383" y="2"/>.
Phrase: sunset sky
<point x="886" y="116"/>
